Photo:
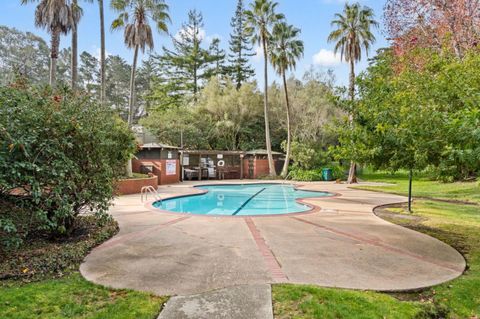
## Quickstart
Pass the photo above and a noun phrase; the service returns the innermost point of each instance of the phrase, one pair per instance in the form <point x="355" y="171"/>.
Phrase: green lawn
<point x="297" y="301"/>
<point x="74" y="297"/>
<point x="422" y="187"/>
<point x="454" y="223"/>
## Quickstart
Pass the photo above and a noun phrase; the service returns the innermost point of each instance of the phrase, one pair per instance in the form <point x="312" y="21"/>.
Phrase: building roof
<point x="262" y="152"/>
<point x="158" y="145"/>
<point x="212" y="152"/>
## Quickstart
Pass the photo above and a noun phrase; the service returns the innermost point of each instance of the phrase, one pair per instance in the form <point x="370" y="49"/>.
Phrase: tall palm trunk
<point x="132" y="87"/>
<point x="289" y="132"/>
<point x="131" y="102"/>
<point x="74" y="57"/>
<point x="102" y="52"/>
<point x="352" y="175"/>
<point x="271" y="164"/>
<point x="55" y="44"/>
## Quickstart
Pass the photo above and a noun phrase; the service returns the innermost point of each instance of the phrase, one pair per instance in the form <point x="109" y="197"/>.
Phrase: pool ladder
<point x="150" y="190"/>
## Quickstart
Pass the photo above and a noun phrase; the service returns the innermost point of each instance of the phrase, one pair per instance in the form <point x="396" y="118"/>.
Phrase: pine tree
<point x="218" y="68"/>
<point x="188" y="64"/>
<point x="239" y="67"/>
<point x="89" y="73"/>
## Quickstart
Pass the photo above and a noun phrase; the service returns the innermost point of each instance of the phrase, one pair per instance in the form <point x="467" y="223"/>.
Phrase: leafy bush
<point x="41" y="257"/>
<point x="303" y="175"/>
<point x="312" y="175"/>
<point x="427" y="115"/>
<point x="60" y="155"/>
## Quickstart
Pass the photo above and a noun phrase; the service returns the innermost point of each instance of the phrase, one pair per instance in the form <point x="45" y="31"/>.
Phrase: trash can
<point x="327" y="174"/>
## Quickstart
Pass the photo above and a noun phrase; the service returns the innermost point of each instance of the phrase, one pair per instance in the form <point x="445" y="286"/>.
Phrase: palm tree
<point x="352" y="34"/>
<point x="57" y="17"/>
<point x="259" y="20"/>
<point x="102" y="52"/>
<point x="285" y="49"/>
<point x="77" y="13"/>
<point x="134" y="18"/>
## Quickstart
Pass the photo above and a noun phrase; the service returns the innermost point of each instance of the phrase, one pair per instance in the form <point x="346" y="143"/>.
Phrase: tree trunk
<point x="131" y="102"/>
<point x="352" y="173"/>
<point x="102" y="53"/>
<point x="55" y="44"/>
<point x="271" y="164"/>
<point x="74" y="57"/>
<point x="195" y="82"/>
<point x="410" y="180"/>
<point x="132" y="88"/>
<point x="289" y="133"/>
<point x="352" y="80"/>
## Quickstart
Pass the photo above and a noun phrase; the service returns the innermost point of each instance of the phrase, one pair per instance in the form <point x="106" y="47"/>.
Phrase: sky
<point x="311" y="16"/>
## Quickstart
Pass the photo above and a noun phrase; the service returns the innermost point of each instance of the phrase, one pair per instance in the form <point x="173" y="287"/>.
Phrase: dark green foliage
<point x="188" y="64"/>
<point x="22" y="54"/>
<point x="59" y="157"/>
<point x="415" y="115"/>
<point x="218" y="69"/>
<point x="315" y="174"/>
<point x="64" y="71"/>
<point x="40" y="256"/>
<point x="223" y="118"/>
<point x="239" y="68"/>
<point x="117" y="84"/>
<point x="89" y="72"/>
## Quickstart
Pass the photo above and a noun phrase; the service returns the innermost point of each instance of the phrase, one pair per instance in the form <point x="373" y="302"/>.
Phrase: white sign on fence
<point x="171" y="167"/>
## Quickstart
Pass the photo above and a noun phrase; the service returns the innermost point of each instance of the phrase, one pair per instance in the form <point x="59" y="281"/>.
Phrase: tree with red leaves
<point x="436" y="24"/>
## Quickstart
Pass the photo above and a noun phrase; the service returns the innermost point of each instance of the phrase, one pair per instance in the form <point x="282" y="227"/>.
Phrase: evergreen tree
<point x="188" y="64"/>
<point x="63" y="66"/>
<point x="89" y="72"/>
<point x="239" y="68"/>
<point x="117" y="84"/>
<point x="218" y="68"/>
<point x="22" y="53"/>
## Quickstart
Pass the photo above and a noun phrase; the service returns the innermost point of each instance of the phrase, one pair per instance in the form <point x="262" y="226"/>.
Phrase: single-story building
<point x="159" y="159"/>
<point x="172" y="164"/>
<point x="255" y="163"/>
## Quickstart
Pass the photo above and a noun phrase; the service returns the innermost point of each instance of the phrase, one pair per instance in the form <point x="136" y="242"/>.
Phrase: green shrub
<point x="312" y="175"/>
<point x="60" y="155"/>
<point x="42" y="257"/>
<point x="304" y="175"/>
<point x="307" y="156"/>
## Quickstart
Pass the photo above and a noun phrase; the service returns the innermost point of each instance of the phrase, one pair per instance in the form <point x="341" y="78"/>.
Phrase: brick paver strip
<point x="272" y="263"/>
<point x="380" y="244"/>
<point x="140" y="234"/>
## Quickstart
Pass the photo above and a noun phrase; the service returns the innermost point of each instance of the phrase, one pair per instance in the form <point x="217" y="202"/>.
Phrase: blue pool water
<point x="241" y="200"/>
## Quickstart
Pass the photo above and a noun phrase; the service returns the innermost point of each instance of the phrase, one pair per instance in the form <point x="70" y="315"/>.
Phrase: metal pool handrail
<point x="150" y="190"/>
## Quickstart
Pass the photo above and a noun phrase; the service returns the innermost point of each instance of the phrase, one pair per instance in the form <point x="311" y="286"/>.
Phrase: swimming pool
<point x="242" y="200"/>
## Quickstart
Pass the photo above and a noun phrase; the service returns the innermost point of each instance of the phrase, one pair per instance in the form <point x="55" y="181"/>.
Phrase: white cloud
<point x="326" y="58"/>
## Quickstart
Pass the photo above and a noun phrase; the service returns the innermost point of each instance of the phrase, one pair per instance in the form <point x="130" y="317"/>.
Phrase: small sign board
<point x="219" y="156"/>
<point x="171" y="167"/>
<point x="186" y="160"/>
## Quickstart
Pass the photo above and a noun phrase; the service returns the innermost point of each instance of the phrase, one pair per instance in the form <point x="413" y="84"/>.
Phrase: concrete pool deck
<point x="341" y="244"/>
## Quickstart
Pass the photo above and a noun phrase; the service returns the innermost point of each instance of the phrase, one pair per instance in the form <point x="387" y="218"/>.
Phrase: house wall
<point x="159" y="169"/>
<point x="260" y="167"/>
<point x="134" y="186"/>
